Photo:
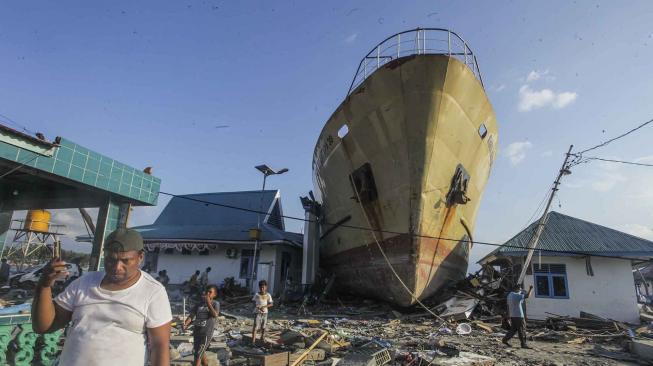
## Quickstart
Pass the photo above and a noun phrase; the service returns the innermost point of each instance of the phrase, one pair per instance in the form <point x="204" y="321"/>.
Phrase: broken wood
<point x="302" y="357"/>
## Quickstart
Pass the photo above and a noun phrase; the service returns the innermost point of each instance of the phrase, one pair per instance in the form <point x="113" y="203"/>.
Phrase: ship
<point x="400" y="167"/>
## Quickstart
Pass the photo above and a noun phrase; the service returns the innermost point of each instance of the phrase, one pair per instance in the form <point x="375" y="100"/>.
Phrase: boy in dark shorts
<point x="205" y="313"/>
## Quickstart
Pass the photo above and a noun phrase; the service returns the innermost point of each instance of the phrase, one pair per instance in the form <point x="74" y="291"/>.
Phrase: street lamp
<point x="267" y="171"/>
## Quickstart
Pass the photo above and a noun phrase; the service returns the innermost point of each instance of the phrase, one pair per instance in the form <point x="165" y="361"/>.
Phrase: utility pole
<point x="540" y="226"/>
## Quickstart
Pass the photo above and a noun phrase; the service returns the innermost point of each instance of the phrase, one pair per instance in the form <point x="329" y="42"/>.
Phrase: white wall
<point x="610" y="293"/>
<point x="181" y="267"/>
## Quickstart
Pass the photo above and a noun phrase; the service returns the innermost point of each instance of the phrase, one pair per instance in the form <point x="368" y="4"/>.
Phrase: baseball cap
<point x="123" y="240"/>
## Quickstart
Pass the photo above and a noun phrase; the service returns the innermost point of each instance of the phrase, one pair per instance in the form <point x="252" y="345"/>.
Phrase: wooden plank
<point x="302" y="357"/>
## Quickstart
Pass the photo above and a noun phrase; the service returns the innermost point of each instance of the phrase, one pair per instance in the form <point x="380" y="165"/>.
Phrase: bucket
<point x="463" y="329"/>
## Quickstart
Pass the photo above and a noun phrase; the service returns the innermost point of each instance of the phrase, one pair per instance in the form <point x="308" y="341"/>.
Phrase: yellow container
<point x="37" y="220"/>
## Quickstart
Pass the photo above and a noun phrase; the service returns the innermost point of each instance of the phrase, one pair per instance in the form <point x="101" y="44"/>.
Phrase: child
<point x="262" y="301"/>
<point x="205" y="314"/>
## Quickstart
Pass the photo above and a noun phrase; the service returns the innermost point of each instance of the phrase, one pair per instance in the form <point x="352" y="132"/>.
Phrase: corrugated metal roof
<point x="188" y="218"/>
<point x="564" y="233"/>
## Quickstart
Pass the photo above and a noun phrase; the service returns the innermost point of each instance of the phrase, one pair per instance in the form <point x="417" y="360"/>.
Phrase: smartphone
<point x="56" y="249"/>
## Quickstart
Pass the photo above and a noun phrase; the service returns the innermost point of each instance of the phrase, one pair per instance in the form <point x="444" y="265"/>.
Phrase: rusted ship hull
<point x="421" y="141"/>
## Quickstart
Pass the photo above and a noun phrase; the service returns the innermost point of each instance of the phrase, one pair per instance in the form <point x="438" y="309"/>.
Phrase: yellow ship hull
<point x="413" y="125"/>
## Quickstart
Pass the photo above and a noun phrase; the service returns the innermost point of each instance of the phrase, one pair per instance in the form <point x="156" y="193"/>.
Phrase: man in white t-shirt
<point x="112" y="314"/>
<point x="262" y="302"/>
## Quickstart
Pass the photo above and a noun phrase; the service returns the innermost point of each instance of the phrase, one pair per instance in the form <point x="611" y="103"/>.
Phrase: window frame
<point x="549" y="277"/>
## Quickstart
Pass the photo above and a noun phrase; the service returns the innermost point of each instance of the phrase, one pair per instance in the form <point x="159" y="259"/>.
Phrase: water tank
<point x="37" y="220"/>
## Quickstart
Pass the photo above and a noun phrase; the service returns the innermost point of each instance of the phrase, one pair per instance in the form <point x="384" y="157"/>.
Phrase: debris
<point x="643" y="348"/>
<point x="458" y="308"/>
<point x="370" y="354"/>
<point x="185" y="349"/>
<point x="315" y="354"/>
<point x="484" y="326"/>
<point x="463" y="329"/>
<point x="465" y="359"/>
<point x="302" y="357"/>
<point x="445" y="330"/>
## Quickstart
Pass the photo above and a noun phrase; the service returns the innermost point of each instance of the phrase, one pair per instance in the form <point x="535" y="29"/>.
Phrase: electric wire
<point x="589" y="158"/>
<point x="361" y="228"/>
<point x="616" y="138"/>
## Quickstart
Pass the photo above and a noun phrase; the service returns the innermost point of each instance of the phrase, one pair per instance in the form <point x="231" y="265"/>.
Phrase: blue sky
<point x="149" y="82"/>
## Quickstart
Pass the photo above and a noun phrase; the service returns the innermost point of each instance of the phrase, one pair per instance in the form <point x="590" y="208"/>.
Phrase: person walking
<point x="110" y="313"/>
<point x="515" y="301"/>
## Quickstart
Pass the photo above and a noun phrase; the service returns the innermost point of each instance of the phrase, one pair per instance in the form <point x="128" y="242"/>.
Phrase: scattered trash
<point x="185" y="349"/>
<point x="463" y="329"/>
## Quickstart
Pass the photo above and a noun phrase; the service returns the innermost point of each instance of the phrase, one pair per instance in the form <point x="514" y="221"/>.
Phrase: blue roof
<point x="189" y="217"/>
<point x="563" y="234"/>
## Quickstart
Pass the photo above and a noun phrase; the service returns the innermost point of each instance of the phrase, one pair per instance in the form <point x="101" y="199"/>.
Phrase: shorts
<point x="261" y="321"/>
<point x="201" y="343"/>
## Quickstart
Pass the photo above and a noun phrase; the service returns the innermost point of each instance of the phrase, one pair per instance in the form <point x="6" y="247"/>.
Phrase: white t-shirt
<point x="108" y="327"/>
<point x="262" y="300"/>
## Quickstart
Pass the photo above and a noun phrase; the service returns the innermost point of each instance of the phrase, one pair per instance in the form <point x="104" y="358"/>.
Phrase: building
<point x="61" y="174"/>
<point x="39" y="174"/>
<point x="578" y="266"/>
<point x="214" y="230"/>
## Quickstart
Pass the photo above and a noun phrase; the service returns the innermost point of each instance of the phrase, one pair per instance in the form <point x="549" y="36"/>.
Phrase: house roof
<point x="191" y="218"/>
<point x="563" y="234"/>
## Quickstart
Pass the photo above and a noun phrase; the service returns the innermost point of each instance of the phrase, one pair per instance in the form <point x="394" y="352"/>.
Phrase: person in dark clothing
<point x="194" y="284"/>
<point x="515" y="301"/>
<point x="205" y="314"/>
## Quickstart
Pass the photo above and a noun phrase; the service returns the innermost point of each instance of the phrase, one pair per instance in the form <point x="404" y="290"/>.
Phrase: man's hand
<point x="208" y="300"/>
<point x="54" y="270"/>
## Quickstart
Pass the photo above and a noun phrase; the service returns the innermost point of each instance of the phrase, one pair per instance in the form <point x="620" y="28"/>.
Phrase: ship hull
<point x="413" y="126"/>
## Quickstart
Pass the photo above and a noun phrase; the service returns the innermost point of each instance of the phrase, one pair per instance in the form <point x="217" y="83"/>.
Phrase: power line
<point x="361" y="228"/>
<point x="616" y="161"/>
<point x="616" y="138"/>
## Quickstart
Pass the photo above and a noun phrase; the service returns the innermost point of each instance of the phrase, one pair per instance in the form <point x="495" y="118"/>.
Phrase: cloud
<point x="607" y="176"/>
<point x="530" y="99"/>
<point x="72" y="219"/>
<point x="564" y="99"/>
<point x="645" y="159"/>
<point x="546" y="154"/>
<point x="351" y="38"/>
<point x="535" y="75"/>
<point x="641" y="231"/>
<point x="516" y="151"/>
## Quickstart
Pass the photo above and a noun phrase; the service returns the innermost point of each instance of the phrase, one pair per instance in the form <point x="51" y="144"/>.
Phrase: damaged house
<point x="577" y="266"/>
<point x="197" y="231"/>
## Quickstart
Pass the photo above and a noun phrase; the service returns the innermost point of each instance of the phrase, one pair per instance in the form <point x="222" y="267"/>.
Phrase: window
<point x="550" y="280"/>
<point x="482" y="131"/>
<point x="246" y="260"/>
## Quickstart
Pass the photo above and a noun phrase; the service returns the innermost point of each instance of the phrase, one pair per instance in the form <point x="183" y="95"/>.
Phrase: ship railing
<point x="420" y="41"/>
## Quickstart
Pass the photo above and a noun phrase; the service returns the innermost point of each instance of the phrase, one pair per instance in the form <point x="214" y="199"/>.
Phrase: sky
<point x="202" y="91"/>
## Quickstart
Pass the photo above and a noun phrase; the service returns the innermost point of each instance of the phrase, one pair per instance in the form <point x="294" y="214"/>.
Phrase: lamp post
<point x="267" y="171"/>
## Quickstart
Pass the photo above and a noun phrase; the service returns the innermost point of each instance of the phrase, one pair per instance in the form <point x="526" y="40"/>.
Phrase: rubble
<point x="349" y="333"/>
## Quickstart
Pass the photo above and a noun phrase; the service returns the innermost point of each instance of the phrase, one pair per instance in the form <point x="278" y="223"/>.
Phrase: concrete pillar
<point x="5" y="224"/>
<point x="311" y="253"/>
<point x="111" y="216"/>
